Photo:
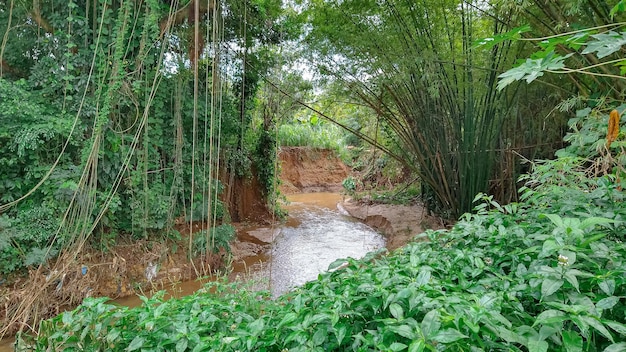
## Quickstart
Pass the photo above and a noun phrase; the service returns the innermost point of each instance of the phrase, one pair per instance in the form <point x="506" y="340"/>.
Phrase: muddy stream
<point x="316" y="233"/>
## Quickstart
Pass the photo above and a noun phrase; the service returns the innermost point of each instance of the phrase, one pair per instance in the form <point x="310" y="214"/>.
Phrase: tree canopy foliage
<point x="414" y="64"/>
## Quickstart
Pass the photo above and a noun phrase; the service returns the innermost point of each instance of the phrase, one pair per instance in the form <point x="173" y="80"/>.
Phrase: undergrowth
<point x="535" y="276"/>
<point x="545" y="274"/>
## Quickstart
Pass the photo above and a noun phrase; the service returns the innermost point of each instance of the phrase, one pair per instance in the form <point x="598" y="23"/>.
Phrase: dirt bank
<point x="305" y="170"/>
<point x="128" y="268"/>
<point x="398" y="223"/>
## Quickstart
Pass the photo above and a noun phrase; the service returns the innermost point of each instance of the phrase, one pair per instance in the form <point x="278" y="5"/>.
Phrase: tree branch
<point x="41" y="22"/>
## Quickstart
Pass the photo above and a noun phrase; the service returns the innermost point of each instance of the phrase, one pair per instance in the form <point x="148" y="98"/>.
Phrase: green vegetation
<point x="114" y="125"/>
<point x="118" y="121"/>
<point x="545" y="274"/>
<point x="118" y="118"/>
<point x="419" y="75"/>
<point x="316" y="134"/>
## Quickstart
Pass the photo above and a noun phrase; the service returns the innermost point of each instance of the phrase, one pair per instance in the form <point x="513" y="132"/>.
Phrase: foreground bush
<point x="544" y="275"/>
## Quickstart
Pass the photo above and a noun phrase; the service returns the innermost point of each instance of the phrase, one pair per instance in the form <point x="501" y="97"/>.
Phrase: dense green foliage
<point x="434" y="93"/>
<point x="314" y="133"/>
<point x="109" y="128"/>
<point x="579" y="38"/>
<point x="545" y="274"/>
<point x="118" y="117"/>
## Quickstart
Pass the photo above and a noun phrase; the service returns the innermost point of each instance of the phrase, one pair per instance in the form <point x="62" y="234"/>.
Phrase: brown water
<point x="315" y="234"/>
<point x="6" y="345"/>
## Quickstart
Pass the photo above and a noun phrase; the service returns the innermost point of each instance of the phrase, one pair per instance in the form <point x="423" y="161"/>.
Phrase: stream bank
<point x="123" y="271"/>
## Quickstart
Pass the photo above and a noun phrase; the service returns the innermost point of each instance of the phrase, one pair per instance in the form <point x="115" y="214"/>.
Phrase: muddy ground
<point x="398" y="223"/>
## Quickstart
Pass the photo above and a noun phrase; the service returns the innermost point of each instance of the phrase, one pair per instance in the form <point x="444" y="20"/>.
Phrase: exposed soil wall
<point x="244" y="198"/>
<point x="304" y="170"/>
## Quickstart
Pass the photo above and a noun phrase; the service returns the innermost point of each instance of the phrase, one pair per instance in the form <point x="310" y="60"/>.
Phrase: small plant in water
<point x="349" y="185"/>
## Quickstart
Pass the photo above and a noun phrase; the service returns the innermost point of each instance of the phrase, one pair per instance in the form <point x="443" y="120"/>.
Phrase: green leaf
<point x="340" y="333"/>
<point x="256" y="327"/>
<point x="430" y="323"/>
<point x="550" y="286"/>
<point x="396" y="311"/>
<point x="181" y="345"/>
<point x="509" y="336"/>
<point x="288" y="319"/>
<point x="404" y="331"/>
<point x="607" y="303"/>
<point x="417" y="346"/>
<point x="513" y="34"/>
<point x="67" y="318"/>
<point x="414" y="259"/>
<point x="616" y="347"/>
<point x="547" y="331"/>
<point x="592" y="239"/>
<point x="619" y="7"/>
<point x="556" y="220"/>
<point x="596" y="324"/>
<point x="549" y="247"/>
<point x="337" y="263"/>
<point x="537" y="346"/>
<point x="423" y="277"/>
<point x="113" y="335"/>
<point x="608" y="286"/>
<point x="318" y="318"/>
<point x="448" y="336"/>
<point x="397" y="346"/>
<point x="605" y="43"/>
<point x="135" y="344"/>
<point x="572" y="341"/>
<point x="550" y="316"/>
<point x="618" y="327"/>
<point x="320" y="336"/>
<point x="593" y="221"/>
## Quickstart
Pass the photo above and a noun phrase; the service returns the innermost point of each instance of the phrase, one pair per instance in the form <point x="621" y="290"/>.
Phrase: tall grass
<point x="323" y="135"/>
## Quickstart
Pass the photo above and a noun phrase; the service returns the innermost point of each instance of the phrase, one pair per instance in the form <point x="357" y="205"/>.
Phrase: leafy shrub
<point x="172" y="325"/>
<point x="534" y="276"/>
<point x="588" y="130"/>
<point x="29" y="238"/>
<point x="219" y="238"/>
<point x="320" y="135"/>
<point x="349" y="185"/>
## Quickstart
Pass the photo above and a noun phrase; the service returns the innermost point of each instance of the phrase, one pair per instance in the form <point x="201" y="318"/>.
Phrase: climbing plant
<point x="120" y="119"/>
